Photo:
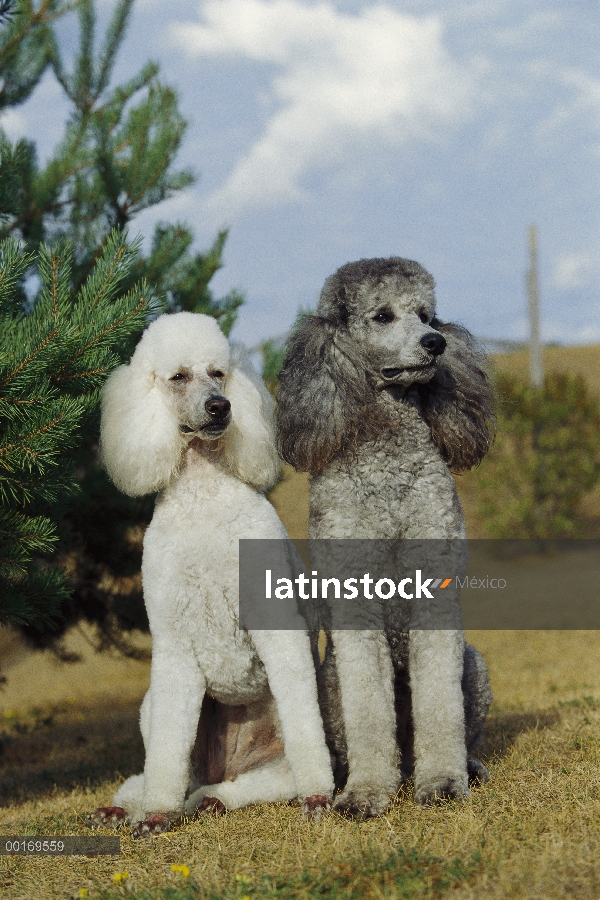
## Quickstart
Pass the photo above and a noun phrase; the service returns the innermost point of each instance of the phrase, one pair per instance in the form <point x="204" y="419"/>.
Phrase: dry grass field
<point x="69" y="734"/>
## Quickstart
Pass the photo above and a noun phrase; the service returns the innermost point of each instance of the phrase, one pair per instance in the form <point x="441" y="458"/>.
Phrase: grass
<point x="69" y="734"/>
<point x="584" y="361"/>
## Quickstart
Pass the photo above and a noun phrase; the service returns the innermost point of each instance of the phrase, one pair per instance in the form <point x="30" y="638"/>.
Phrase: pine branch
<point x="112" y="42"/>
<point x="66" y="341"/>
<point x="33" y="599"/>
<point x="83" y="82"/>
<point x="7" y="11"/>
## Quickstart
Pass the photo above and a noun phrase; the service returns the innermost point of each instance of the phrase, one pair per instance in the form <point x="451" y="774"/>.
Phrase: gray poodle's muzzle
<point x="434" y="344"/>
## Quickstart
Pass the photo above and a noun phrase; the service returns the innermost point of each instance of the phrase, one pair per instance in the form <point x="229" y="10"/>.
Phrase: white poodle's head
<point x="186" y="357"/>
<point x="181" y="386"/>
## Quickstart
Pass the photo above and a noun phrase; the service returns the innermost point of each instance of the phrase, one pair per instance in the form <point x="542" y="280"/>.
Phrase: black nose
<point x="218" y="407"/>
<point x="434" y="343"/>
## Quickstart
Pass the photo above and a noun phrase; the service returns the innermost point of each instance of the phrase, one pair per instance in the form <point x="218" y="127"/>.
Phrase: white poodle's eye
<point x="383" y="318"/>
<point x="424" y="316"/>
<point x="217" y="374"/>
<point x="179" y="376"/>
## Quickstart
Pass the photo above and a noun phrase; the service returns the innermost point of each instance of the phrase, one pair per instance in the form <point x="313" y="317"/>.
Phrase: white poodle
<point x="182" y="420"/>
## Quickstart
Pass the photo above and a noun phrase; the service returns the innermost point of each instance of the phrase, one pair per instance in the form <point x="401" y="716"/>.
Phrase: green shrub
<point x="272" y="360"/>
<point x="545" y="458"/>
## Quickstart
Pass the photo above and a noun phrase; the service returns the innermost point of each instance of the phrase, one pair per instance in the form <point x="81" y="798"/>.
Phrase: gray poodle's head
<point x="375" y="328"/>
<point x="388" y="306"/>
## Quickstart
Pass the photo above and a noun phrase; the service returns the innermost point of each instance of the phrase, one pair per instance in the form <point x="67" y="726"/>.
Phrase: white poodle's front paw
<point x="441" y="787"/>
<point x="108" y="816"/>
<point x="362" y="803"/>
<point x="211" y="806"/>
<point x="314" y="807"/>
<point x="155" y="823"/>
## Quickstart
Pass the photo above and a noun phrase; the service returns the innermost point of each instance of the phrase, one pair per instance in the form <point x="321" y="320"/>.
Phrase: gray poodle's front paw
<point x="444" y="787"/>
<point x="362" y="804"/>
<point x="154" y="823"/>
<point x="314" y="807"/>
<point x="478" y="773"/>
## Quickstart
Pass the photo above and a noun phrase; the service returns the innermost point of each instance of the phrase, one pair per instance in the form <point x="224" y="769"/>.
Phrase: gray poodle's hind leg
<point x="330" y="704"/>
<point x="477" y="698"/>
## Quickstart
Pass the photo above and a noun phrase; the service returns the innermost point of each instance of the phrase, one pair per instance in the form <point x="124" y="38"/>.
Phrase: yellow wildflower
<point x="182" y="869"/>
<point x="83" y="892"/>
<point x="120" y="876"/>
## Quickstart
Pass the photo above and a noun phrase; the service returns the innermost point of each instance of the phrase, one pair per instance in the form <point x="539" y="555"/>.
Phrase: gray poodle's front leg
<point x="436" y="669"/>
<point x="366" y="680"/>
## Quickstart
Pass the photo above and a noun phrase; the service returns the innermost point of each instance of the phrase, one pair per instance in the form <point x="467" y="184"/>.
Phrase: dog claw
<point x="361" y="806"/>
<point x="442" y="789"/>
<point x="107" y="816"/>
<point x="157" y="823"/>
<point x="314" y="807"/>
<point x="211" y="806"/>
<point x="478" y="773"/>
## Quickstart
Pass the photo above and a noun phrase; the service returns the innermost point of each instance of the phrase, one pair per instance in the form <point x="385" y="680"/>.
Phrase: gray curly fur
<point x="328" y="394"/>
<point x="380" y="420"/>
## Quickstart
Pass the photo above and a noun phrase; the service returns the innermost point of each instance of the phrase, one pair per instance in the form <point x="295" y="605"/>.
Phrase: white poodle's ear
<point x="248" y="445"/>
<point x="140" y="444"/>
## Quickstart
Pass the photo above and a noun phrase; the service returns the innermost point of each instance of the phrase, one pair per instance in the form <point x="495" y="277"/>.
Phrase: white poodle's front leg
<point x="127" y="802"/>
<point x="436" y="667"/>
<point x="288" y="662"/>
<point x="177" y="689"/>
<point x="366" y="679"/>
<point x="271" y="783"/>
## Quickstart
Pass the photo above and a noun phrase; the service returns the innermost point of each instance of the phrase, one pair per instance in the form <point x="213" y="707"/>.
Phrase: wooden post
<point x="536" y="366"/>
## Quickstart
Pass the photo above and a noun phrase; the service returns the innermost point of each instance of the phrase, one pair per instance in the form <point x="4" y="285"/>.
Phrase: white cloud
<point x="573" y="271"/>
<point x="342" y="80"/>
<point x="582" y="105"/>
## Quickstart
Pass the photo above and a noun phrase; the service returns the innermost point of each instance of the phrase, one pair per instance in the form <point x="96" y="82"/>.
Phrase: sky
<point x="325" y="132"/>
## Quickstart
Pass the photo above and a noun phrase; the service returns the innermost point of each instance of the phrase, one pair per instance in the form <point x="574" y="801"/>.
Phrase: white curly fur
<point x="167" y="426"/>
<point x="133" y="404"/>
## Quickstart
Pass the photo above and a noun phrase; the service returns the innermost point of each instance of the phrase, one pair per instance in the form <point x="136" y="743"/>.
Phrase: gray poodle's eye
<point x="424" y="316"/>
<point x="217" y="374"/>
<point x="383" y="318"/>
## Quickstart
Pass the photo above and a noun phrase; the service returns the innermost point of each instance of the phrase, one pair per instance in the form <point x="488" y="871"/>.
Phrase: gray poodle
<point x="381" y="402"/>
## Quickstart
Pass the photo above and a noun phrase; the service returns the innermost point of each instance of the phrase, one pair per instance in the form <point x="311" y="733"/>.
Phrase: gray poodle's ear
<point x="324" y="393"/>
<point x="458" y="402"/>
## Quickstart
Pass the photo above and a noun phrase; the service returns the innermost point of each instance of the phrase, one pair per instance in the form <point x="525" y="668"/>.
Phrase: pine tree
<point x="115" y="160"/>
<point x="52" y="363"/>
